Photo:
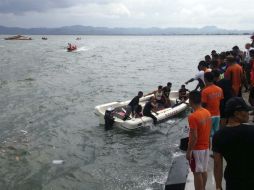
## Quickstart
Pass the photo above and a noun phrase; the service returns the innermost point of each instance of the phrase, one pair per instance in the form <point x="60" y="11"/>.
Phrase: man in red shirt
<point x="234" y="73"/>
<point x="211" y="98"/>
<point x="198" y="147"/>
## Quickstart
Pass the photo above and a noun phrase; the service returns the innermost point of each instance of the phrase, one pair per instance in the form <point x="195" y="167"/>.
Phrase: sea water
<point x="47" y="100"/>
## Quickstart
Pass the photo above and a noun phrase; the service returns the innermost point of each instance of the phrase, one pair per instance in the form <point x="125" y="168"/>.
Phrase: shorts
<point x="199" y="160"/>
<point x="215" y="124"/>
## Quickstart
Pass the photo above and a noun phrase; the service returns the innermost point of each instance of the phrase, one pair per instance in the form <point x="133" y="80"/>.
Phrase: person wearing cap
<point x="235" y="144"/>
<point x="198" y="147"/>
<point x="234" y="73"/>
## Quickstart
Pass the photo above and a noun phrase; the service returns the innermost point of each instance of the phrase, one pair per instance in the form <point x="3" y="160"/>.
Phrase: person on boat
<point x="211" y="98"/>
<point x="150" y="107"/>
<point x="138" y="112"/>
<point x="166" y="91"/>
<point x="183" y="93"/>
<point x="159" y="96"/>
<point x="134" y="103"/>
<point x="235" y="144"/>
<point x="198" y="147"/>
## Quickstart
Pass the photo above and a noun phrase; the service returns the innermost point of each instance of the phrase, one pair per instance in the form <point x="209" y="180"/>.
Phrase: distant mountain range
<point x="89" y="30"/>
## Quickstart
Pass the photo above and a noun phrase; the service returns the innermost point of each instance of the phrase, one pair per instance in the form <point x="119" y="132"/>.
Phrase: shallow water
<point x="47" y="100"/>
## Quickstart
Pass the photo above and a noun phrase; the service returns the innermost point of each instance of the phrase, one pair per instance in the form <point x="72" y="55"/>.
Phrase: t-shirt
<point x="148" y="107"/>
<point x="234" y="73"/>
<point x="236" y="145"/>
<point x="134" y="102"/>
<point x="226" y="87"/>
<point x="211" y="96"/>
<point x="201" y="120"/>
<point x="200" y="75"/>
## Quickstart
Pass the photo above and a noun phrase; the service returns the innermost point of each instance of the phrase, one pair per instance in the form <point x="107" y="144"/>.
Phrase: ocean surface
<point x="47" y="100"/>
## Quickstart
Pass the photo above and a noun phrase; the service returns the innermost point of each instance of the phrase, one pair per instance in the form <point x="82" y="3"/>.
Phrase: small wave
<point x="177" y="154"/>
<point x="83" y="48"/>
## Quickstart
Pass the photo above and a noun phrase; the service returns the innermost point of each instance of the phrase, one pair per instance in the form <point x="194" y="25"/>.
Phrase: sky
<point x="228" y="14"/>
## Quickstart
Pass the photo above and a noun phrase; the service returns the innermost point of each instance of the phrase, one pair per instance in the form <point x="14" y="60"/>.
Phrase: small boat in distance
<point x="78" y="38"/>
<point x="71" y="47"/>
<point x="44" y="38"/>
<point x="119" y="109"/>
<point x="18" y="37"/>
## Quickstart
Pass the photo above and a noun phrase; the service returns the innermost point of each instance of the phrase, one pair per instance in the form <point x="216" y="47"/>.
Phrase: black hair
<point x="209" y="76"/>
<point x="169" y="83"/>
<point x="195" y="97"/>
<point x="230" y="59"/>
<point x="222" y="55"/>
<point x="234" y="53"/>
<point x="207" y="57"/>
<point x="216" y="56"/>
<point x="227" y="53"/>
<point x="216" y="73"/>
<point x="160" y="87"/>
<point x="140" y="93"/>
<point x="202" y="64"/>
<point x="235" y="48"/>
<point x="214" y="63"/>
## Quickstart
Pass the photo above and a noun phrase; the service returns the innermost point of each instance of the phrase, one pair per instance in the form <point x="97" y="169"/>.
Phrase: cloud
<point x="22" y="6"/>
<point x="128" y="13"/>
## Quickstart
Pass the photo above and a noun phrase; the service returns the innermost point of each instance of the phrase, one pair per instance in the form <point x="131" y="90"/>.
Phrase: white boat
<point x="135" y="123"/>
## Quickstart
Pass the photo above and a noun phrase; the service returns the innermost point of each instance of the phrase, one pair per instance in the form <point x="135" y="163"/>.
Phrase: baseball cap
<point x="236" y="104"/>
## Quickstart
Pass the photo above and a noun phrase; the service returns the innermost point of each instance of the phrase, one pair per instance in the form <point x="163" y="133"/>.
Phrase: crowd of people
<point x="218" y="117"/>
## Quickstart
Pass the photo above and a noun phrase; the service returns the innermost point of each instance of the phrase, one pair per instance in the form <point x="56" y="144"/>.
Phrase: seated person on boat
<point x="166" y="91"/>
<point x="138" y="112"/>
<point x="150" y="107"/>
<point x="183" y="93"/>
<point x="159" y="97"/>
<point x="133" y="105"/>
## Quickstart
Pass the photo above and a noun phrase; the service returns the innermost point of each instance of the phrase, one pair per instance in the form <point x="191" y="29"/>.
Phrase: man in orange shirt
<point x="234" y="73"/>
<point x="211" y="98"/>
<point x="198" y="147"/>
